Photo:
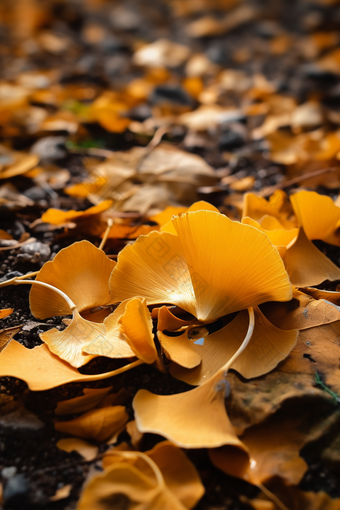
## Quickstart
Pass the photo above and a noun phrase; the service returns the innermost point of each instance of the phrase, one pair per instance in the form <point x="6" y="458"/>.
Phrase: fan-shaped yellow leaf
<point x="81" y="271"/>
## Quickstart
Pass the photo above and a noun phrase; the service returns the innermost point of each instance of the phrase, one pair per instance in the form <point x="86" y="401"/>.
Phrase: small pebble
<point x="8" y="472"/>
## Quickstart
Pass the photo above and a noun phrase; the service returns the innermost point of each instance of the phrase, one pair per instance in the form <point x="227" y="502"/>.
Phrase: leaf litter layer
<point x="241" y="107"/>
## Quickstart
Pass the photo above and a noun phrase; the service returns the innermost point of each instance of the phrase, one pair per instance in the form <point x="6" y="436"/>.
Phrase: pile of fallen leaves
<point x="172" y="203"/>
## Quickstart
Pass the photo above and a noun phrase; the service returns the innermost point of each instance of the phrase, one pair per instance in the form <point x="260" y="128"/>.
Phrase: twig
<point x="272" y="496"/>
<point x="106" y="233"/>
<point x="156" y="140"/>
<point x="268" y="191"/>
<point x="18" y="245"/>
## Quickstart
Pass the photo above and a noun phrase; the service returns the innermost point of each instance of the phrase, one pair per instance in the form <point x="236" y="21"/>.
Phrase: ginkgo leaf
<point x="318" y="215"/>
<point x="5" y="312"/>
<point x="68" y="344"/>
<point x="81" y="271"/>
<point x="179" y="474"/>
<point x="153" y="267"/>
<point x="113" y="343"/>
<point x="91" y="398"/>
<point x="165" y="216"/>
<point x="41" y="369"/>
<point x="6" y="335"/>
<point x="122" y="485"/>
<point x="179" y="349"/>
<point x="59" y="217"/>
<point x="218" y="290"/>
<point x="267" y="347"/>
<point x="73" y="444"/>
<point x="306" y="265"/>
<point x="136" y="324"/>
<point x="256" y="207"/>
<point x="278" y="236"/>
<point x="168" y="477"/>
<point x="98" y="424"/>
<point x="197" y="206"/>
<point x="168" y="321"/>
<point x="175" y="269"/>
<point x="194" y="419"/>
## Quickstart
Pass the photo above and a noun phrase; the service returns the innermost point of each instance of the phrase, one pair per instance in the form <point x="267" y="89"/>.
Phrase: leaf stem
<point x="244" y="343"/>
<point x="19" y="281"/>
<point x="272" y="497"/>
<point x="106" y="233"/>
<point x="106" y="375"/>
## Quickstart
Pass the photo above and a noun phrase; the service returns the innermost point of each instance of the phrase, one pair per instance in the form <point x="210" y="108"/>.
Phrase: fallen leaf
<point x="40" y="368"/>
<point x="302" y="312"/>
<point x="306" y="265"/>
<point x="98" y="424"/>
<point x="5" y="312"/>
<point x="62" y="493"/>
<point x="91" y="398"/>
<point x="6" y="335"/>
<point x="87" y="450"/>
<point x="59" y="217"/>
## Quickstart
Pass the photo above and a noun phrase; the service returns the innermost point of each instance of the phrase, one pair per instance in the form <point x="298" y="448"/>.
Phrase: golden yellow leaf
<point x="267" y="347"/>
<point x="81" y="271"/>
<point x="91" y="398"/>
<point x="182" y="270"/>
<point x="59" y="217"/>
<point x="98" y="424"/>
<point x="306" y="265"/>
<point x="194" y="419"/>
<point x="40" y="368"/>
<point x="136" y="324"/>
<point x="87" y="450"/>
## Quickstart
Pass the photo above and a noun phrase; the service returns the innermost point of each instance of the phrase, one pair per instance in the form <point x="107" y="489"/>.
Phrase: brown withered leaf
<point x="302" y="312"/>
<point x="6" y="335"/>
<point x="317" y="352"/>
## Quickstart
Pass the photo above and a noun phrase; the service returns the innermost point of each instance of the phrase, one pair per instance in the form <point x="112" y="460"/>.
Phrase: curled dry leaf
<point x="136" y="324"/>
<point x="179" y="350"/>
<point x="168" y="321"/>
<point x="302" y="312"/>
<point x="99" y="424"/>
<point x="160" y="478"/>
<point x="6" y="335"/>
